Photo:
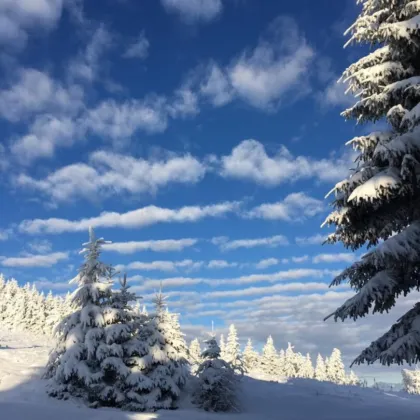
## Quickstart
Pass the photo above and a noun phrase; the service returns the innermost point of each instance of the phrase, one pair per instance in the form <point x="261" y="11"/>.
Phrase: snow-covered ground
<point x="22" y="395"/>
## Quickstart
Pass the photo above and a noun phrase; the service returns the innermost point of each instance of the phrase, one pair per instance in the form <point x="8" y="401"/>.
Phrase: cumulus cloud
<point x="112" y="173"/>
<point x="250" y="161"/>
<point x="145" y="216"/>
<point x="139" y="49"/>
<point x="295" y="207"/>
<point x="226" y="245"/>
<point x="163" y="245"/>
<point x="194" y="11"/>
<point x="44" y="260"/>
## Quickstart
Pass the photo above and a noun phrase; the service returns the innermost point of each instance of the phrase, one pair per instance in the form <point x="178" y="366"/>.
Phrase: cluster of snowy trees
<point x="378" y="205"/>
<point x="24" y="308"/>
<point x="284" y="363"/>
<point x="109" y="353"/>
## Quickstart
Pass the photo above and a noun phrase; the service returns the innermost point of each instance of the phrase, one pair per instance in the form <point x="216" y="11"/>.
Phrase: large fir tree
<point x="379" y="204"/>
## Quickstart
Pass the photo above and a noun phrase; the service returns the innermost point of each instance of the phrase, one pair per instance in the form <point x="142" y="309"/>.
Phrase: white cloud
<point x="163" y="245"/>
<point x="277" y="68"/>
<point x="335" y="95"/>
<point x="266" y="290"/>
<point x="45" y="260"/>
<point x="112" y="173"/>
<point x="51" y="285"/>
<point x="140" y="49"/>
<point x="216" y="86"/>
<point x="164" y="265"/>
<point x="34" y="91"/>
<point x="192" y="11"/>
<point x="281" y="276"/>
<point x="268" y="262"/>
<point x="116" y="121"/>
<point x="272" y="242"/>
<point x="295" y="207"/>
<point x="19" y="16"/>
<point x="184" y="103"/>
<point x="250" y="161"/>
<point x="221" y="264"/>
<point x="334" y="258"/>
<point x="40" y="246"/>
<point x="145" y="216"/>
<point x="87" y="65"/>
<point x="45" y="135"/>
<point x="5" y="234"/>
<point x="301" y="259"/>
<point x="317" y="239"/>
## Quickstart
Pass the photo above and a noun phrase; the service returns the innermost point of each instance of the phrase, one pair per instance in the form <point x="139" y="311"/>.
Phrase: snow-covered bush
<point x="411" y="381"/>
<point x="217" y="383"/>
<point x="378" y="204"/>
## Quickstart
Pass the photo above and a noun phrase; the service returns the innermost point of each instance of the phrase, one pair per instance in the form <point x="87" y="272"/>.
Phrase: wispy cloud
<point x="163" y="245"/>
<point x="268" y="262"/>
<point x="193" y="11"/>
<point x="317" y="239"/>
<point x="226" y="245"/>
<point x="44" y="260"/>
<point x="111" y="173"/>
<point x="139" y="49"/>
<point x="187" y="265"/>
<point x="295" y="207"/>
<point x="334" y="258"/>
<point x="145" y="216"/>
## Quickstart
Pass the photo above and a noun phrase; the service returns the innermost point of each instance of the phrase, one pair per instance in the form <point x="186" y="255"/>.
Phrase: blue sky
<point x="200" y="137"/>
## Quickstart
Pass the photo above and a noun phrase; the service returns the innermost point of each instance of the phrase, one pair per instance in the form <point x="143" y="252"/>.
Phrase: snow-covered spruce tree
<point x="79" y="363"/>
<point x="250" y="357"/>
<point x="335" y="368"/>
<point x="306" y="369"/>
<point x="222" y="347"/>
<point x="269" y="363"/>
<point x="281" y="360"/>
<point x="320" y="369"/>
<point x="169" y="352"/>
<point x="217" y="383"/>
<point x="232" y="350"/>
<point x="194" y="352"/>
<point x="352" y="379"/>
<point x="379" y="204"/>
<point x="411" y="381"/>
<point x="291" y="365"/>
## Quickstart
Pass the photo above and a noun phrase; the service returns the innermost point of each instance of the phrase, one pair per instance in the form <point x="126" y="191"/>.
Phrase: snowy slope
<point x="22" y="395"/>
